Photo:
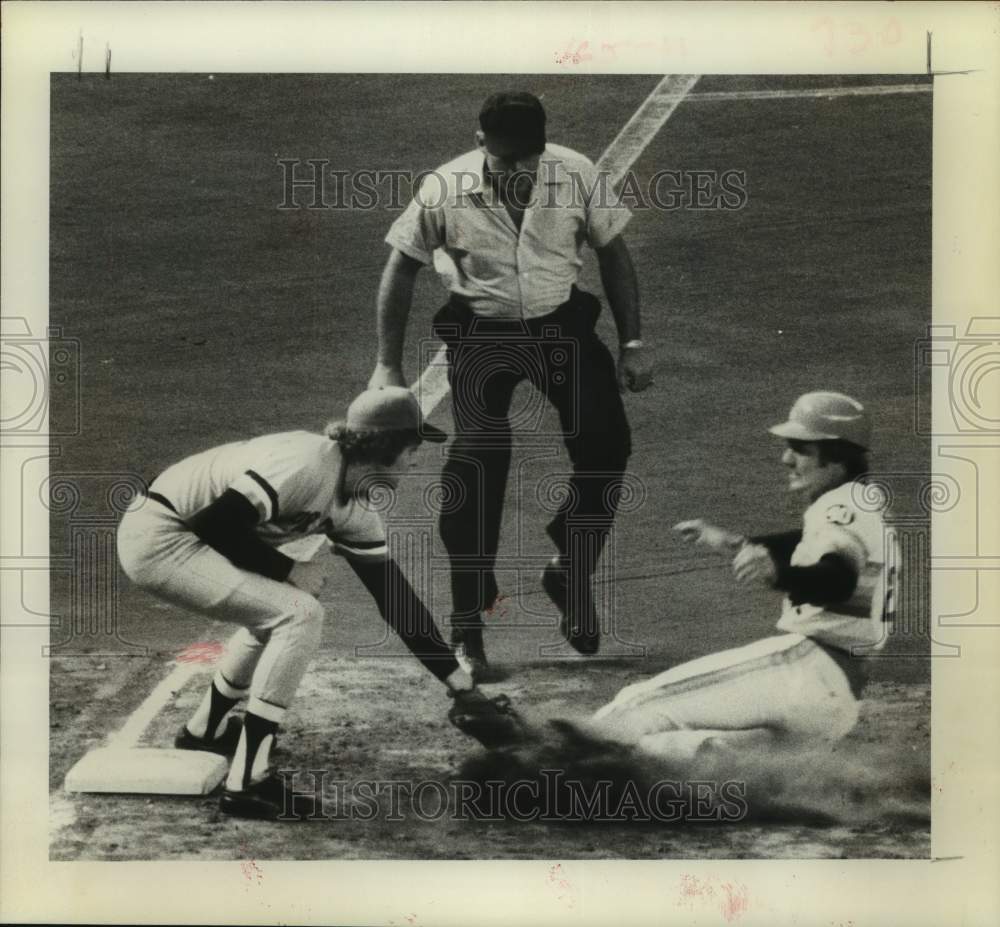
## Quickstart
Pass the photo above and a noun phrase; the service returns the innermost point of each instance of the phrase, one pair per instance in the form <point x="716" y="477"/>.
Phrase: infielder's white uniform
<point x="795" y="685"/>
<point x="293" y="480"/>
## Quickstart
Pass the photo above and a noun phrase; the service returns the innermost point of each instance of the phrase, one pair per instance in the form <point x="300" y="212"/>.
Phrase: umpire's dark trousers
<point x="562" y="357"/>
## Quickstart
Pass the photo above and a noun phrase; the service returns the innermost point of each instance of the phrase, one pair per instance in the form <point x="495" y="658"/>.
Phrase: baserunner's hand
<point x="704" y="534"/>
<point x="754" y="564"/>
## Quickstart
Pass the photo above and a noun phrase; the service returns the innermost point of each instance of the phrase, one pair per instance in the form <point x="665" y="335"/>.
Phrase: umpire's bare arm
<point x="621" y="286"/>
<point x="395" y="296"/>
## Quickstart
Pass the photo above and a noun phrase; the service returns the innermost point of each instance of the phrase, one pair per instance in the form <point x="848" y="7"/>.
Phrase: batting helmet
<point x="824" y="416"/>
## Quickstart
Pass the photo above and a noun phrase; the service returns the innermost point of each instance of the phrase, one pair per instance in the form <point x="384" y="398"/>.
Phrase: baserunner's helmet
<point x="824" y="416"/>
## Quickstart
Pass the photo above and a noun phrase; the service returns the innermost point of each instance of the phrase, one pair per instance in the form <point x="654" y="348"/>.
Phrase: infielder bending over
<point x="505" y="224"/>
<point x="205" y="538"/>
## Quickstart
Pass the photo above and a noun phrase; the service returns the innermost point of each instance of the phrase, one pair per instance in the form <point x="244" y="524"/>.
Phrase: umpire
<point x="504" y="225"/>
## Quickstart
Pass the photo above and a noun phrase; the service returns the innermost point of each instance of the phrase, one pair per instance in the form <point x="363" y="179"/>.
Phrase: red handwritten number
<point x="861" y="38"/>
<point x="575" y="55"/>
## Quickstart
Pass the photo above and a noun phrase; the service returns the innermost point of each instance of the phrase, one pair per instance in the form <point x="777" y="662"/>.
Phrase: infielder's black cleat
<point x="578" y="624"/>
<point x="224" y="745"/>
<point x="270" y="800"/>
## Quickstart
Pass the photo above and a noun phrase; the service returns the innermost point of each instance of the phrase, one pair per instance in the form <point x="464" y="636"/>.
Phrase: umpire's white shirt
<point x="456" y="222"/>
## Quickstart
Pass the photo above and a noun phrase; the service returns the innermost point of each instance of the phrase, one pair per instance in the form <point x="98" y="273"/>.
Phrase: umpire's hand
<point x="635" y="369"/>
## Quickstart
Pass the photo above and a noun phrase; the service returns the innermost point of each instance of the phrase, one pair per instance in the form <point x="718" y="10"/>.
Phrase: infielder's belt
<point x="163" y="500"/>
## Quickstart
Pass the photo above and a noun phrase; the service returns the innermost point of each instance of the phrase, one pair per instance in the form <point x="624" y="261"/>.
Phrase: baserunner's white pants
<point x="281" y="625"/>
<point x="782" y="687"/>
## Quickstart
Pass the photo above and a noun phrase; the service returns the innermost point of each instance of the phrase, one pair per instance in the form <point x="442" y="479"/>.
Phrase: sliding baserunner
<point x="838" y="577"/>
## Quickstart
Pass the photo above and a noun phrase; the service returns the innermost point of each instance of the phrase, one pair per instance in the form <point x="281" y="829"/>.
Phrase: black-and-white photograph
<point x="497" y="465"/>
<point x="580" y="401"/>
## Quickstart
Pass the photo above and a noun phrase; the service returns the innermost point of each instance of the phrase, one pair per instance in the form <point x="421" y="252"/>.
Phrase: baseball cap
<point x="391" y="408"/>
<point x="515" y="115"/>
<point x="825" y="416"/>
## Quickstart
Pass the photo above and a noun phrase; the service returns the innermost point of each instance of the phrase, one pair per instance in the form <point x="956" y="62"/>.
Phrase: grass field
<point x="205" y="313"/>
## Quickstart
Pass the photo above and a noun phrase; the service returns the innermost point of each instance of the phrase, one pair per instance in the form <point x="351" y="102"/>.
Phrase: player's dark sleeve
<point x="830" y="580"/>
<point x="403" y="611"/>
<point x="780" y="545"/>
<point x="228" y="525"/>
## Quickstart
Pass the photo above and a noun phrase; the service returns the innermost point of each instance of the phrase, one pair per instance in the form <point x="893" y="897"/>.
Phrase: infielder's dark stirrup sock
<point x="219" y="698"/>
<point x="255" y="730"/>
<point x="220" y="706"/>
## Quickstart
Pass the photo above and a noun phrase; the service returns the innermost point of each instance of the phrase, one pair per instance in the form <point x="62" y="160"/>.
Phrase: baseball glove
<point x="494" y="722"/>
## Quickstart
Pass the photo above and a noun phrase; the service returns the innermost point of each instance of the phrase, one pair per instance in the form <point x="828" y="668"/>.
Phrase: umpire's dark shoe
<point x="471" y="655"/>
<point x="578" y="624"/>
<point x="225" y="745"/>
<point x="270" y="800"/>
